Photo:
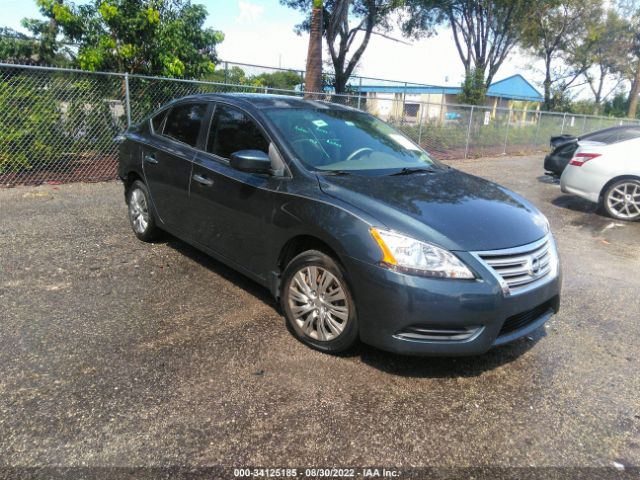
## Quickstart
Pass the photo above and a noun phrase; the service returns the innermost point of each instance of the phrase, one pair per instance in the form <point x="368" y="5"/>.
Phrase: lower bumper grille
<point x="521" y="320"/>
<point x="449" y="334"/>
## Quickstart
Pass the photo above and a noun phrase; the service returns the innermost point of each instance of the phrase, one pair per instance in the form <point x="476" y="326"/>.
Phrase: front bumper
<point x="391" y="303"/>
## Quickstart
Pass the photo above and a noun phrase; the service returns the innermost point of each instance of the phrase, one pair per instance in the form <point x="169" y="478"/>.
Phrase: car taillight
<point x="581" y="158"/>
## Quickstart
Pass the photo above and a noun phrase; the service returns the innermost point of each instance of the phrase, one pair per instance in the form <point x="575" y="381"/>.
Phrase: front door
<point x="232" y="210"/>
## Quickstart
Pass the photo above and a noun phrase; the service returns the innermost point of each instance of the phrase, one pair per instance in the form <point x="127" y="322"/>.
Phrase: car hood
<point x="450" y="208"/>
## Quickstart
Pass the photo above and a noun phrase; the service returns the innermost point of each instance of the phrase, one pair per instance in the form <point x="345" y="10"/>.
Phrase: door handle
<point x="202" y="180"/>
<point x="150" y="158"/>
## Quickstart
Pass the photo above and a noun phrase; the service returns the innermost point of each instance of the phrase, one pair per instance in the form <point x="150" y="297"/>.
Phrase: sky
<point x="262" y="32"/>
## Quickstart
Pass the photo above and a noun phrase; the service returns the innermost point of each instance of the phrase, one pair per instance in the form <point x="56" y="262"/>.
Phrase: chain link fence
<point x="228" y="72"/>
<point x="61" y="125"/>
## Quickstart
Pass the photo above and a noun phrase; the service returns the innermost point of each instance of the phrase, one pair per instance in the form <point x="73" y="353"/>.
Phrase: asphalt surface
<point x="116" y="352"/>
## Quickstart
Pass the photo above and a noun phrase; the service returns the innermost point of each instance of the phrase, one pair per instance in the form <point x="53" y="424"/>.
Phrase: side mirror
<point x="254" y="161"/>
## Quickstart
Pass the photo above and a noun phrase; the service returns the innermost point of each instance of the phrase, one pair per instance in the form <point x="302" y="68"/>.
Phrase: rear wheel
<point x="622" y="200"/>
<point x="318" y="304"/>
<point x="140" y="214"/>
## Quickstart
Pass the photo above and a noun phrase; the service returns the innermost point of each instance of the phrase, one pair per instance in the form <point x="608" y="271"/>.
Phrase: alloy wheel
<point x="139" y="211"/>
<point x="318" y="303"/>
<point x="624" y="200"/>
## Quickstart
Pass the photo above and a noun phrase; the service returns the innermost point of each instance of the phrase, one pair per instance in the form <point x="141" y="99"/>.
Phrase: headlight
<point x="413" y="256"/>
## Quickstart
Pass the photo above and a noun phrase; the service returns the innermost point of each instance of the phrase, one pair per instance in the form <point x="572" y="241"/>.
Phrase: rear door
<point x="232" y="210"/>
<point x="167" y="160"/>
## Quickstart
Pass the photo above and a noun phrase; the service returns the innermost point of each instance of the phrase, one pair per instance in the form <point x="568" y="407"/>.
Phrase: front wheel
<point x="318" y="304"/>
<point x="622" y="200"/>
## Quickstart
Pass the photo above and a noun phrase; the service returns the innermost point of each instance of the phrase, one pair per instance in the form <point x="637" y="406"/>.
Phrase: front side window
<point x="233" y="130"/>
<point x="333" y="139"/>
<point x="184" y="121"/>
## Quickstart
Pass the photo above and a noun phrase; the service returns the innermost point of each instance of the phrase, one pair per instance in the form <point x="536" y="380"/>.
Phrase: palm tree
<point x="313" y="75"/>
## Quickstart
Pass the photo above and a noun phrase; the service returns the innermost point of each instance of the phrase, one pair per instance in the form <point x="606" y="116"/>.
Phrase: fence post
<point x="402" y="108"/>
<point x="584" y="122"/>
<point x="127" y="99"/>
<point x="535" y="139"/>
<point x="226" y="70"/>
<point x="506" y="135"/>
<point x="359" y="91"/>
<point x="422" y="107"/>
<point x="564" y="117"/>
<point x="466" y="148"/>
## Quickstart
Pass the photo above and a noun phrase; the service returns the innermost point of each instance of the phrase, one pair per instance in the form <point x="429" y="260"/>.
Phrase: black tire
<point x="613" y="194"/>
<point x="139" y="207"/>
<point x="323" y="319"/>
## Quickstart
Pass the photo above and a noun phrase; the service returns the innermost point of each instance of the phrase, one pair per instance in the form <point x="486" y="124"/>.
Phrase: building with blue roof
<point x="414" y="102"/>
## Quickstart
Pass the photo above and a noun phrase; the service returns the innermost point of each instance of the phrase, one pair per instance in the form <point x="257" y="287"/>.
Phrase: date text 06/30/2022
<point x="315" y="473"/>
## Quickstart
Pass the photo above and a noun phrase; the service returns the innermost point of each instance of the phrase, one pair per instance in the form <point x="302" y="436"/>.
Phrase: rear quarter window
<point x="156" y="122"/>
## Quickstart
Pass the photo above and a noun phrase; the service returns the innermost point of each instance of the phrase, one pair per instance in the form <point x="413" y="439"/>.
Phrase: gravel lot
<point x="116" y="352"/>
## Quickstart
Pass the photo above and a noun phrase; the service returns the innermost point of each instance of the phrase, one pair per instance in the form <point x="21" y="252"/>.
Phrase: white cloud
<point x="249" y="12"/>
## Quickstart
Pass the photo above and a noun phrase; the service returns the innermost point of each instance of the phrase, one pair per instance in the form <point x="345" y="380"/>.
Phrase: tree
<point x="344" y="22"/>
<point x="153" y="37"/>
<point x="558" y="34"/>
<point x="283" y="80"/>
<point x="630" y="10"/>
<point x="609" y="54"/>
<point x="484" y="31"/>
<point x="233" y="76"/>
<point x="313" y="73"/>
<point x="473" y="90"/>
<point x="16" y="47"/>
<point x="617" y="105"/>
<point x="46" y="32"/>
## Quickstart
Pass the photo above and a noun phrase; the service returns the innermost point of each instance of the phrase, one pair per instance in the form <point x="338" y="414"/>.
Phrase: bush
<point x="29" y="118"/>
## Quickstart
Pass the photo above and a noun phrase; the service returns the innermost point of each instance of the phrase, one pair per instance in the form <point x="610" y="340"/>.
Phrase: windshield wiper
<point x="334" y="172"/>
<point x="410" y="171"/>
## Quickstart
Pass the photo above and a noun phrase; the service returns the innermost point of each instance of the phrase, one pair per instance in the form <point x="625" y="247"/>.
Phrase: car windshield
<point x="348" y="141"/>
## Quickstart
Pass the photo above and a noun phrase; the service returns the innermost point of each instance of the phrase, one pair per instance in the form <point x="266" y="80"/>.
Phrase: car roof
<point x="263" y="101"/>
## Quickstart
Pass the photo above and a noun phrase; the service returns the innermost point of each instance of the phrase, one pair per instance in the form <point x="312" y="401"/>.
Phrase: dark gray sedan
<point x="353" y="227"/>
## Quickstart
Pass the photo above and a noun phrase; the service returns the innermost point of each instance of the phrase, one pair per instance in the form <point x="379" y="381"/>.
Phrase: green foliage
<point x="16" y="47"/>
<point x="41" y="114"/>
<point x="282" y="80"/>
<point x="151" y="37"/>
<point x="617" y="106"/>
<point x="473" y="88"/>
<point x="30" y="119"/>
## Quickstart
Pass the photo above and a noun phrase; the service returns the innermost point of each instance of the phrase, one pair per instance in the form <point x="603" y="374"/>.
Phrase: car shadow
<point x="576" y="204"/>
<point x="261" y="293"/>
<point x="395" y="364"/>
<point x="549" y="179"/>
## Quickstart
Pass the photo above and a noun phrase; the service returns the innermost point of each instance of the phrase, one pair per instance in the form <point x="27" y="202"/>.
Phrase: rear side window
<point x="233" y="130"/>
<point x="184" y="121"/>
<point x="629" y="134"/>
<point x="156" y="122"/>
<point x="613" y="135"/>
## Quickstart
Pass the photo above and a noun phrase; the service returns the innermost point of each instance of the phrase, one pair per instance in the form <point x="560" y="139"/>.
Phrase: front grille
<point x="521" y="320"/>
<point x="522" y="267"/>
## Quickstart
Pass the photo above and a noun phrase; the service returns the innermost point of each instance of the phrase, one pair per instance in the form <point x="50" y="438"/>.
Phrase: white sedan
<point x="608" y="175"/>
